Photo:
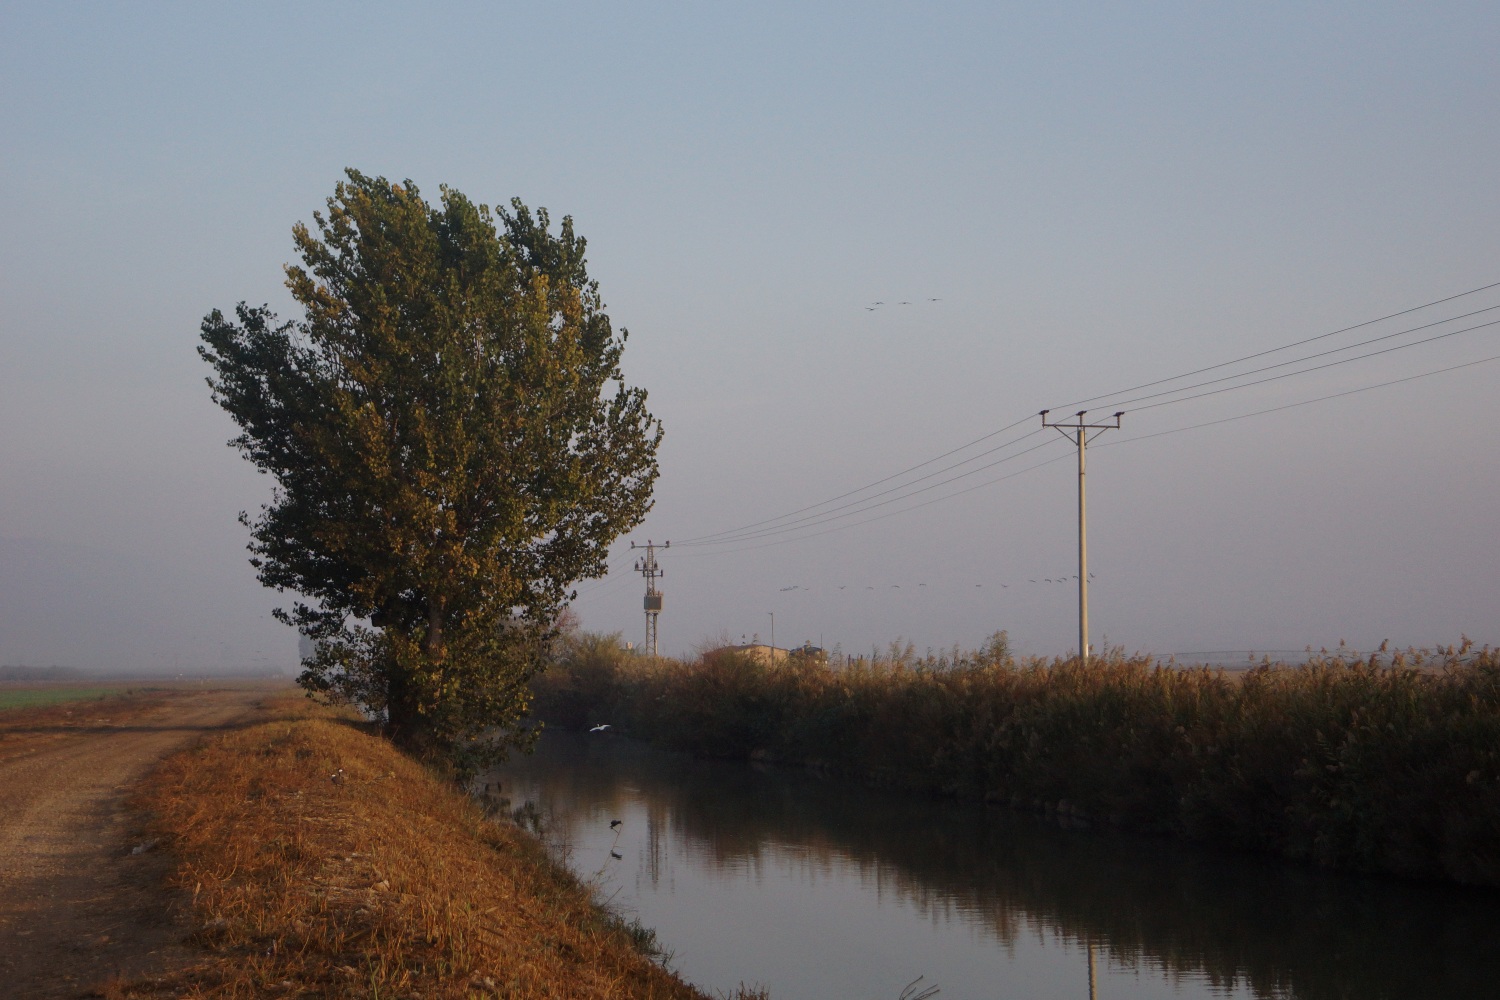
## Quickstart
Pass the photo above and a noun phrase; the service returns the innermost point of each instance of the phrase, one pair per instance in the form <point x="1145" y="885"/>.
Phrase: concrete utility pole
<point x="1078" y="433"/>
<point x="646" y="566"/>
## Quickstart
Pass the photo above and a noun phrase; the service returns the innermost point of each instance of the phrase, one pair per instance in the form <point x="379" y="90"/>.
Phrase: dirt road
<point x="77" y="906"/>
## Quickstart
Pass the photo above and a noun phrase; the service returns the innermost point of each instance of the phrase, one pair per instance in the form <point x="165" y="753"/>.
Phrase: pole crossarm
<point x="1078" y="433"/>
<point x="1079" y="425"/>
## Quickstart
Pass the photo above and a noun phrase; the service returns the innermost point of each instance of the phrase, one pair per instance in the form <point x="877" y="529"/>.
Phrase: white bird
<point x="600" y="728"/>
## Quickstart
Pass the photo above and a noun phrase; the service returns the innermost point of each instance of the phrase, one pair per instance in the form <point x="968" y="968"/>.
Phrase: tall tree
<point x="453" y="445"/>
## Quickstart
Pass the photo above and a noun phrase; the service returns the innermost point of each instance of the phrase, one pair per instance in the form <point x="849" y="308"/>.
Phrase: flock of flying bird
<point x="897" y="586"/>
<point x="904" y="302"/>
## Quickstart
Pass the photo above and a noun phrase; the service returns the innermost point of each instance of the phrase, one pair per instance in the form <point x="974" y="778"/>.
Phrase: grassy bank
<point x="316" y="860"/>
<point x="1383" y="765"/>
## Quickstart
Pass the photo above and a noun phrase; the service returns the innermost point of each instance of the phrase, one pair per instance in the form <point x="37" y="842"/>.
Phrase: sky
<point x="1074" y="199"/>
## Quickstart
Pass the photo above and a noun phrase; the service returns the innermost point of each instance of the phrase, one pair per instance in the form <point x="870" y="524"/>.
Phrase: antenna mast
<point x="646" y="566"/>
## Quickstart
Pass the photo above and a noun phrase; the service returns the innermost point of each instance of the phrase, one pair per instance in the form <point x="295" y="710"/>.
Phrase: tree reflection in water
<point x="1163" y="908"/>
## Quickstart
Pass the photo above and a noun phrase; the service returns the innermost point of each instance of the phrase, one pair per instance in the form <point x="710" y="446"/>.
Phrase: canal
<point x="820" y="889"/>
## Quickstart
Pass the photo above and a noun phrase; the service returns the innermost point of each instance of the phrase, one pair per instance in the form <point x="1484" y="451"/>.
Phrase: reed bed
<point x="1387" y="763"/>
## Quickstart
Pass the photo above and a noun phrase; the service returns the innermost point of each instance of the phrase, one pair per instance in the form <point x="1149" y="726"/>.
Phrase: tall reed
<point x="1387" y="763"/>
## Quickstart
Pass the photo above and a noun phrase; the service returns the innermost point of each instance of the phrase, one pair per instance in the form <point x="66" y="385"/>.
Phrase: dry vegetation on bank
<point x="317" y="860"/>
<point x="1388" y="764"/>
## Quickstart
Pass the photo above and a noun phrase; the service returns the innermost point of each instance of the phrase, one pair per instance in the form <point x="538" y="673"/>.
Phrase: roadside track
<point x="82" y="898"/>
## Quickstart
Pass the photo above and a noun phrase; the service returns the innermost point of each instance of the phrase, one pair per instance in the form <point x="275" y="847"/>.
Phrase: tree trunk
<point x="433" y="644"/>
<point x="404" y="724"/>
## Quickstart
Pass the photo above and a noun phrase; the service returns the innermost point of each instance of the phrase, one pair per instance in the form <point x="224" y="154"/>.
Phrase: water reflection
<point x="821" y="888"/>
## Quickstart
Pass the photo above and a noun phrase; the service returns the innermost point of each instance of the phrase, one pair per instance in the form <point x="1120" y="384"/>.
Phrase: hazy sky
<point x="1097" y="196"/>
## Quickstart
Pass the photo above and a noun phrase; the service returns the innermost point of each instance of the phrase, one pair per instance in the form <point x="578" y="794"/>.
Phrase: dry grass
<point x="320" y="861"/>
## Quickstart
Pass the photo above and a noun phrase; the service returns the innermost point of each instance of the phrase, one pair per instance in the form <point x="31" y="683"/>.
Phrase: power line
<point x="1324" y="354"/>
<point x="747" y="534"/>
<point x="747" y="531"/>
<point x="1315" y="368"/>
<point x="782" y="524"/>
<point x="1305" y="402"/>
<point x="1051" y="461"/>
<point x="859" y="506"/>
<point x="833" y="515"/>
<point x="892" y="513"/>
<point x="605" y="580"/>
<point x="746" y="527"/>
<point x="1285" y="347"/>
<point x="603" y="585"/>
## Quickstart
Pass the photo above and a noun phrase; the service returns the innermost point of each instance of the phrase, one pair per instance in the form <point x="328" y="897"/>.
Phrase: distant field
<point x="32" y="697"/>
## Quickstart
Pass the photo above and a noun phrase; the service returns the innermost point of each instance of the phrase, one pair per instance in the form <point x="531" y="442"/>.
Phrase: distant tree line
<point x="19" y="673"/>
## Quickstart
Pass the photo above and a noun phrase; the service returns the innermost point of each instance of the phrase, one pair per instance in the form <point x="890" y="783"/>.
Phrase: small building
<point x="763" y="653"/>
<point x="758" y="651"/>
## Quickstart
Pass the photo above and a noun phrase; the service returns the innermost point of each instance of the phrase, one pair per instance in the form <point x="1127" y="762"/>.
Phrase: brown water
<point x="820" y="888"/>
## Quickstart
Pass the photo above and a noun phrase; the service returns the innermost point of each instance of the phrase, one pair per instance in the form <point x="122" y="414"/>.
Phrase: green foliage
<point x="1389" y="763"/>
<point x="453" y="445"/>
<point x="584" y="681"/>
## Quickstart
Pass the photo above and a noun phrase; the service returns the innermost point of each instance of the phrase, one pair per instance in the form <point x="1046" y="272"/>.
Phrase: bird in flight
<point x="600" y="728"/>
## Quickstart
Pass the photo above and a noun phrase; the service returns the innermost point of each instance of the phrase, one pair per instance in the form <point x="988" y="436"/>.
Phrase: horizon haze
<point x="845" y="241"/>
